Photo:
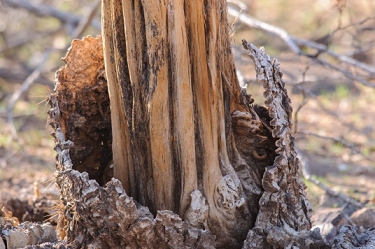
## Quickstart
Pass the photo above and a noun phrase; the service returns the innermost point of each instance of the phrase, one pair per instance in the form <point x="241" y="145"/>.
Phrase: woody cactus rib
<point x="106" y="216"/>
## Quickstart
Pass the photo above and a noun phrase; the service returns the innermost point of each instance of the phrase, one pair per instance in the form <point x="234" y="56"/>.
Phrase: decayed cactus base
<point x="84" y="114"/>
<point x="100" y="214"/>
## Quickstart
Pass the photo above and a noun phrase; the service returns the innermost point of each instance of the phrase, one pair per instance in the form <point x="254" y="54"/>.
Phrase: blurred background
<point x="325" y="48"/>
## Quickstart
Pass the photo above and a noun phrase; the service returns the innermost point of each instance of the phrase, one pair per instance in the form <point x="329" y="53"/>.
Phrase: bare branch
<point x="337" y="140"/>
<point x="239" y="3"/>
<point x="347" y="74"/>
<point x="45" y="10"/>
<point x="20" y="76"/>
<point x="85" y="22"/>
<point x="303" y="103"/>
<point x="351" y="25"/>
<point x="306" y="174"/>
<point x="273" y="30"/>
<point x="22" y="38"/>
<point x="340" y="57"/>
<point x="294" y="44"/>
<point x="25" y="85"/>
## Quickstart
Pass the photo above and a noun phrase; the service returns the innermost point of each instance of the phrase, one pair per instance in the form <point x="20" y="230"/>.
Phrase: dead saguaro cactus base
<point x="264" y="165"/>
<point x="185" y="137"/>
<point x="103" y="217"/>
<point x="198" y="164"/>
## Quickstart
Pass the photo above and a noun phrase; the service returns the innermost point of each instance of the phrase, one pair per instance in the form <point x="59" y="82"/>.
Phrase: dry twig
<point x="337" y="140"/>
<point x="303" y="103"/>
<point x="45" y="10"/>
<point x="24" y="87"/>
<point x="294" y="44"/>
<point x="306" y="174"/>
<point x="85" y="22"/>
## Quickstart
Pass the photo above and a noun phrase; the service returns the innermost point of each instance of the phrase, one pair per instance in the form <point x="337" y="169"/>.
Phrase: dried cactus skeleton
<point x="198" y="164"/>
<point x="106" y="216"/>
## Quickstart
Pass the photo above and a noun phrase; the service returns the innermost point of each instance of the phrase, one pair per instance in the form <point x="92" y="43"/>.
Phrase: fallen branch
<point x="306" y="174"/>
<point x="337" y="140"/>
<point x="349" y="237"/>
<point x="85" y="22"/>
<point x="294" y="43"/>
<point x="45" y="10"/>
<point x="303" y="103"/>
<point x="25" y="85"/>
<point x="27" y="234"/>
<point x="20" y="76"/>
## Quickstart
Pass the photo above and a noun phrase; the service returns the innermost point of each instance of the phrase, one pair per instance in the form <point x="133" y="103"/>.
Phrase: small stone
<point x="328" y="219"/>
<point x="364" y="217"/>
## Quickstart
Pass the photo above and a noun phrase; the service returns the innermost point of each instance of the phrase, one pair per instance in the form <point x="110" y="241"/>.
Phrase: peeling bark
<point x="284" y="211"/>
<point x="84" y="108"/>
